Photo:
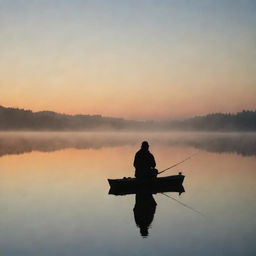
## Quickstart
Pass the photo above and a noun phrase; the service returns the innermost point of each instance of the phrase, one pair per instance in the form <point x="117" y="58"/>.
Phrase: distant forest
<point x="19" y="119"/>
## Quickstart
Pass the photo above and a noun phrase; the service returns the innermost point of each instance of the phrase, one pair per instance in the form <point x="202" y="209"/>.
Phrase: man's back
<point x="143" y="162"/>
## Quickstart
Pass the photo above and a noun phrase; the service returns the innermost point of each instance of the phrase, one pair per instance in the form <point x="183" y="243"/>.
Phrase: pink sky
<point x="152" y="61"/>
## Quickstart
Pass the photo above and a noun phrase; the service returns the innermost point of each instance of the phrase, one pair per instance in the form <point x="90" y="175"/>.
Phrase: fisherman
<point x="144" y="163"/>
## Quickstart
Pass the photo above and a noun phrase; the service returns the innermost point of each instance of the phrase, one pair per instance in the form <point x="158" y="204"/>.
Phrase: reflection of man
<point x="144" y="163"/>
<point x="144" y="210"/>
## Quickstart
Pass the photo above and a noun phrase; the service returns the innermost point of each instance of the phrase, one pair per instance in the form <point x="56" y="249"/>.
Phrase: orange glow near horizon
<point x="134" y="109"/>
<point x="163" y="62"/>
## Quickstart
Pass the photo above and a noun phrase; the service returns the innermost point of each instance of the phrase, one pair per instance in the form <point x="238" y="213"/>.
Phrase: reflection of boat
<point x="159" y="182"/>
<point x="159" y="185"/>
<point x="145" y="204"/>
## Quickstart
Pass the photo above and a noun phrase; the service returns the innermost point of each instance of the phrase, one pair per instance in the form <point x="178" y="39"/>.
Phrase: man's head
<point x="144" y="145"/>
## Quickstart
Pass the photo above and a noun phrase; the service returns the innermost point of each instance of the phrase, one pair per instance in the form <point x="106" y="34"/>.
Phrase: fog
<point x="25" y="142"/>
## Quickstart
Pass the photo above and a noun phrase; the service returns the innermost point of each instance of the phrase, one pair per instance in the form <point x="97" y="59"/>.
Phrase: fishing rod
<point x="179" y="162"/>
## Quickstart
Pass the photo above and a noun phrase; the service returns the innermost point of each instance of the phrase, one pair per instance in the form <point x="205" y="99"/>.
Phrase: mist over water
<point x="54" y="195"/>
<point x="24" y="142"/>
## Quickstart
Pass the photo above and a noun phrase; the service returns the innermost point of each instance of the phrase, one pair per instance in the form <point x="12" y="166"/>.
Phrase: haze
<point x="133" y="59"/>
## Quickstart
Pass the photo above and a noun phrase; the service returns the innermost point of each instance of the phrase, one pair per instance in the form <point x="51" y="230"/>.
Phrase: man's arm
<point x="135" y="162"/>
<point x="153" y="162"/>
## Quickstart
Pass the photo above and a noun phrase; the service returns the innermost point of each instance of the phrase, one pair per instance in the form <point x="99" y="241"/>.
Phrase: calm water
<point x="54" y="195"/>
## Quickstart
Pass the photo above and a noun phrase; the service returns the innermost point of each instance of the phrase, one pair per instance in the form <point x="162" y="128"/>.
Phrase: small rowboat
<point x="132" y="185"/>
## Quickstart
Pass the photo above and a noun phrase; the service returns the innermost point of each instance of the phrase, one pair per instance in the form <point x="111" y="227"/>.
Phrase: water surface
<point x="54" y="195"/>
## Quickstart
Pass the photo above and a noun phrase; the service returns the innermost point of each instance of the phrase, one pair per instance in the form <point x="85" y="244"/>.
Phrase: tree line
<point x="21" y="119"/>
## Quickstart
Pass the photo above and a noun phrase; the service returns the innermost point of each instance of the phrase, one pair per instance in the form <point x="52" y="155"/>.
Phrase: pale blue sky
<point x="177" y="57"/>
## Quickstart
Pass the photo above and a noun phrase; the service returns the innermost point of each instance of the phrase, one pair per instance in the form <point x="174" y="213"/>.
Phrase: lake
<point x="54" y="194"/>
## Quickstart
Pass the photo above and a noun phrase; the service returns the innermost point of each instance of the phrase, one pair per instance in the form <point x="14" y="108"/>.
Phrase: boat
<point x="145" y="190"/>
<point x="158" y="185"/>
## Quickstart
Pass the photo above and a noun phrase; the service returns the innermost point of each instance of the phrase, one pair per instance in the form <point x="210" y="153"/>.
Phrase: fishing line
<point x="185" y="205"/>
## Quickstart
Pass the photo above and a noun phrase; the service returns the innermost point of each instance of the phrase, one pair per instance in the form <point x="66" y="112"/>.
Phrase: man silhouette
<point x="144" y="163"/>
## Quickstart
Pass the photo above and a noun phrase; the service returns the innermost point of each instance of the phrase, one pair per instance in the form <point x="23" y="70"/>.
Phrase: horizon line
<point x="139" y="120"/>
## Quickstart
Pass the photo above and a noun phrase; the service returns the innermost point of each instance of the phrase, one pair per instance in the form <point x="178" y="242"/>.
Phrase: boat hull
<point x="159" y="185"/>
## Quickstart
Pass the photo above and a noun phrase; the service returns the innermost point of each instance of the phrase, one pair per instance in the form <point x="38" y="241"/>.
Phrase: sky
<point x="136" y="59"/>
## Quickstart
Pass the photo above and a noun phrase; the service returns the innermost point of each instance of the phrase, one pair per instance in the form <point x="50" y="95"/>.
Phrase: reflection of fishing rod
<point x="185" y="205"/>
<point x="179" y="162"/>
